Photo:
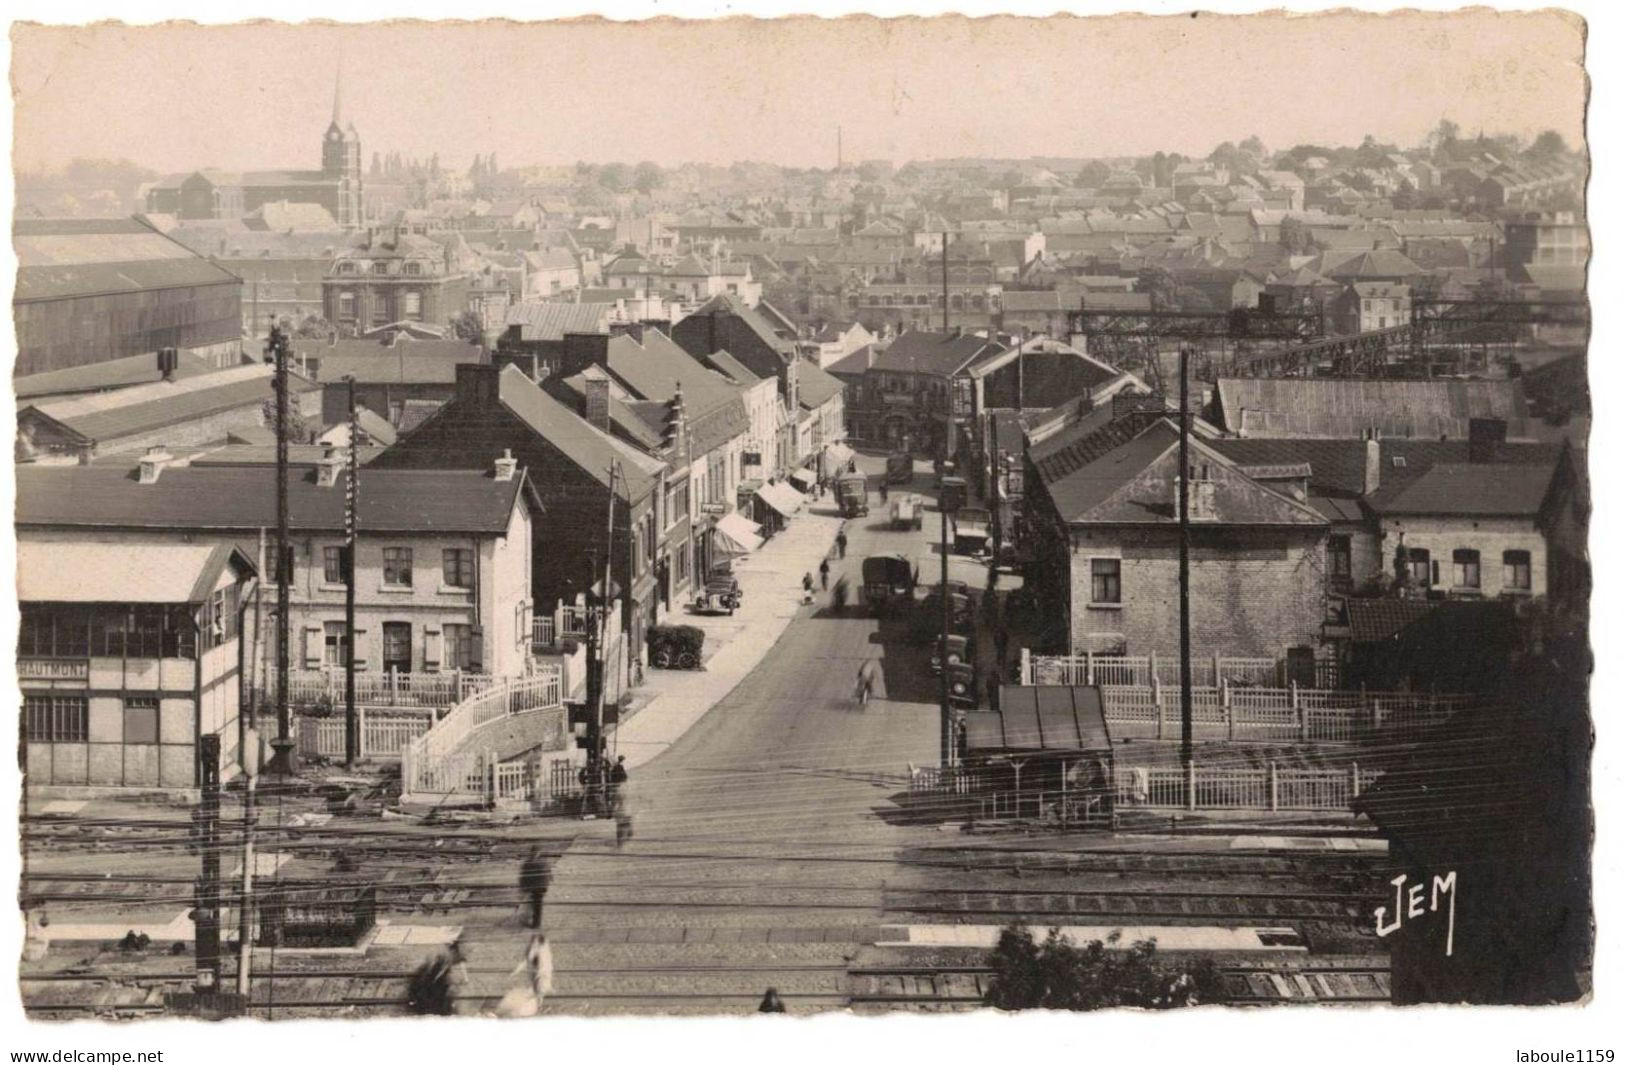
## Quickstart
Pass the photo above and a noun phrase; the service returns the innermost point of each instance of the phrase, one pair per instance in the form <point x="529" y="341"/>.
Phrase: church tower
<point x="341" y="161"/>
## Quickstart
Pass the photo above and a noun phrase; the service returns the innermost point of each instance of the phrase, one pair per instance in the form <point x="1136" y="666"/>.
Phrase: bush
<point x="1056" y="974"/>
<point x="676" y="640"/>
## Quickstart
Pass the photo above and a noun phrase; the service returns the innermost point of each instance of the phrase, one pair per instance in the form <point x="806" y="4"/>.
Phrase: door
<point x="398" y="646"/>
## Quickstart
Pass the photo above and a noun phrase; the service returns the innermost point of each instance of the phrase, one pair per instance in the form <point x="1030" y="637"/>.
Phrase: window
<point x="459" y="646"/>
<point x="380" y="313"/>
<point x="457" y="567"/>
<point x="1419" y="563"/>
<point x="220" y="618"/>
<point x="335" y="645"/>
<point x="1515" y="571"/>
<point x="347" y="267"/>
<point x="380" y="268"/>
<point x="398" y="567"/>
<point x="1339" y="558"/>
<point x="412" y="269"/>
<point x="141" y="720"/>
<point x="1106" y="580"/>
<point x="412" y="306"/>
<point x="346" y="306"/>
<point x="398" y="646"/>
<point x="56" y="718"/>
<point x="1464" y="568"/>
<point x="333" y="565"/>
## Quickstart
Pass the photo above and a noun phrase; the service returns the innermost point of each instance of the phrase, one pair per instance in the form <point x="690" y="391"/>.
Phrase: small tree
<point x="1056" y="974"/>
<point x="469" y="327"/>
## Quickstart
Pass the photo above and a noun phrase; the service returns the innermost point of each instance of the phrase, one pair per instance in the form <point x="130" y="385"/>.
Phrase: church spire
<point x="338" y="93"/>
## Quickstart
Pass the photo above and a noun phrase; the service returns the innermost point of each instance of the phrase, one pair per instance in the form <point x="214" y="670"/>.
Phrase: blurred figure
<point x="771" y="1003"/>
<point x="535" y="877"/>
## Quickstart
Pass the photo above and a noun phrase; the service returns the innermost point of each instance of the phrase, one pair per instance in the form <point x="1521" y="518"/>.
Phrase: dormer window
<point x="346" y="268"/>
<point x="380" y="268"/>
<point x="412" y="269"/>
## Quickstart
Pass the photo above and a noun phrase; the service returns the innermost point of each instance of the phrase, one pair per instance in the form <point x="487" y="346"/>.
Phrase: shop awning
<point x="839" y="454"/>
<point x="736" y="535"/>
<point x="805" y="478"/>
<point x="781" y="497"/>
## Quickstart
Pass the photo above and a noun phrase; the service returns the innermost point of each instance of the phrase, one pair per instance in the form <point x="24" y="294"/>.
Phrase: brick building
<point x="393" y="275"/>
<point x="1102" y="507"/>
<point x="570" y="461"/>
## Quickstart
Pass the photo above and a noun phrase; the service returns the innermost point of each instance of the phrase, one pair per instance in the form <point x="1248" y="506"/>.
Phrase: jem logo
<point x="1408" y="905"/>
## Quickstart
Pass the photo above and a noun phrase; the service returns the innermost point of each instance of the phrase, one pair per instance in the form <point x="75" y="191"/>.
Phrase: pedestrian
<point x="538" y="969"/>
<point x="806" y="587"/>
<point x="623" y="821"/>
<point x="771" y="1002"/>
<point x="840" y="542"/>
<point x="433" y="987"/>
<point x="823" y="574"/>
<point x="535" y="877"/>
<point x="852" y="467"/>
<point x="885" y="492"/>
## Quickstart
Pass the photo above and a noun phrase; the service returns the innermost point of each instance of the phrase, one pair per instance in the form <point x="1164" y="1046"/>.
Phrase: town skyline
<point x="1079" y="75"/>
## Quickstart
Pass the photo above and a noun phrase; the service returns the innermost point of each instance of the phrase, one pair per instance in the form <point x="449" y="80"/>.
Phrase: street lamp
<point x="949" y="500"/>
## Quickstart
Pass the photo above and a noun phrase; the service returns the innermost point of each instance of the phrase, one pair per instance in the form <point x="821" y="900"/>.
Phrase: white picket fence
<point x="434" y="764"/>
<point x="389" y="689"/>
<point x="1144" y="670"/>
<point x="383" y="733"/>
<point x="1162" y="787"/>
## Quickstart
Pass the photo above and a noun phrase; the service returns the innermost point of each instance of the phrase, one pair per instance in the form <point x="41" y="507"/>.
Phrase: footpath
<point x="770" y="580"/>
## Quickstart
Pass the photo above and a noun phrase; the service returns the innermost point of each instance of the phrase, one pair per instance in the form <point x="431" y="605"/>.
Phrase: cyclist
<point x="866" y="681"/>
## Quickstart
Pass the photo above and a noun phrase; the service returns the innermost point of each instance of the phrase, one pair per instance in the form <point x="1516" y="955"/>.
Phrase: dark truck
<point x="852" y="493"/>
<point x="888" y="582"/>
<point x="899" y="467"/>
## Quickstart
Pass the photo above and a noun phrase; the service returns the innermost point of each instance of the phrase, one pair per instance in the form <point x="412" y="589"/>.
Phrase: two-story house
<point x="1365" y="306"/>
<point x="442" y="555"/>
<point x="917" y="394"/>
<point x="602" y="496"/>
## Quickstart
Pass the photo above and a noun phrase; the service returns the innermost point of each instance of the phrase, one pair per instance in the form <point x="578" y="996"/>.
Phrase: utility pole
<point x="944" y="280"/>
<point x="1185" y="753"/>
<point x="250" y="757"/>
<point x="949" y="499"/>
<point x="597" y="633"/>
<point x="206" y="911"/>
<point x="352" y="490"/>
<point x="277" y="347"/>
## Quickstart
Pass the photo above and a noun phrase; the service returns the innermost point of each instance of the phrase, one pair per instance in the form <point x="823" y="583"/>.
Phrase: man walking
<point x="617" y="778"/>
<point x="535" y="876"/>
<point x="823" y="574"/>
<point x="840" y="542"/>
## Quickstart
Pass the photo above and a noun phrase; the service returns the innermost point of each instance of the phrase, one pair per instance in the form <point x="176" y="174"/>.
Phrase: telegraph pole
<point x="944" y="280"/>
<point x="206" y="915"/>
<point x="352" y="489"/>
<point x="277" y="347"/>
<point x="250" y="757"/>
<point x="1185" y="753"/>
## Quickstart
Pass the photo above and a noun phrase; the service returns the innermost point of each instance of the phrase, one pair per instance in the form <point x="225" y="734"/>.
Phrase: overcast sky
<point x="177" y="97"/>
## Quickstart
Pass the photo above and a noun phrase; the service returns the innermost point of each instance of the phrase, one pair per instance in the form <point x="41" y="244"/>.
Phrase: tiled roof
<point x="109" y="416"/>
<point x="244" y="498"/>
<point x="1134" y="483"/>
<point x="1372" y="620"/>
<point x="935" y="354"/>
<point x="105" y="376"/>
<point x="815" y="386"/>
<point x="1468" y="489"/>
<point x="855" y="364"/>
<point x="63" y="258"/>
<point x="724" y="363"/>
<point x="550" y="320"/>
<point x="591" y="450"/>
<point x="1346" y="408"/>
<point x="406" y="362"/>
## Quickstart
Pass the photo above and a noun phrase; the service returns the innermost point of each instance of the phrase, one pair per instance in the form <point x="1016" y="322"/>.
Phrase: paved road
<point x="762" y="836"/>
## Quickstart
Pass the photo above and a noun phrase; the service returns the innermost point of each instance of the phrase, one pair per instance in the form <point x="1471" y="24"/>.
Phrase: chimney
<point x="789" y="387"/>
<point x="630" y="329"/>
<point x="672" y="436"/>
<point x="1483" y="437"/>
<point x="1373" y="462"/>
<point x="330" y="465"/>
<point x="153" y="464"/>
<point x="477" y="382"/>
<point x="506" y="466"/>
<point x="596" y="409"/>
<point x="1202" y="496"/>
<point x="582" y="350"/>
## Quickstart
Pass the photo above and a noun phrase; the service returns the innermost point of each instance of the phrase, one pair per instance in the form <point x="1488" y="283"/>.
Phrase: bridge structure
<point x="1443" y="335"/>
<point x="1134" y="340"/>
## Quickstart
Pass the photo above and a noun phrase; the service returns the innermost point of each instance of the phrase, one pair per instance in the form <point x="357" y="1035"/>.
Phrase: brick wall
<point x="1253" y="592"/>
<point x="1490" y="537"/>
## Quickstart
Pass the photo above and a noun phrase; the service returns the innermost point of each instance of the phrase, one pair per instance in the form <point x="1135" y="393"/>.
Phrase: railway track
<point x="921" y="988"/>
